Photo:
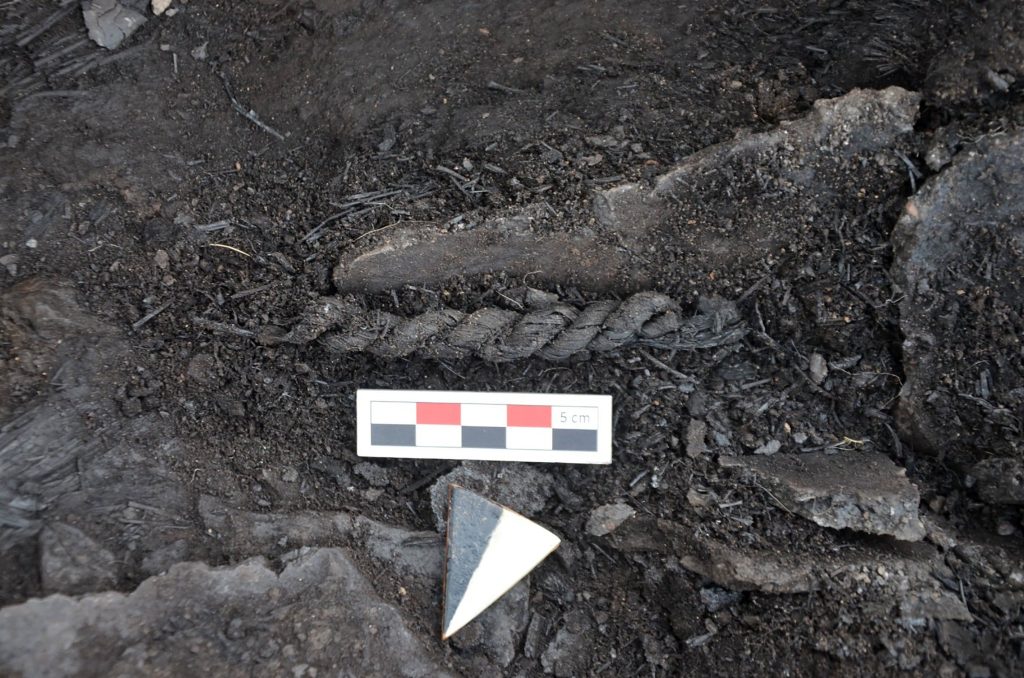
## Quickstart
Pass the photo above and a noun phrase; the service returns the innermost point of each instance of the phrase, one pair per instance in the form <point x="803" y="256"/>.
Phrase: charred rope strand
<point x="553" y="331"/>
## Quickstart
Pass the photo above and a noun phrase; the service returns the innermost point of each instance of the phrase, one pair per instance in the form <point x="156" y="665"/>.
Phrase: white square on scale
<point x="438" y="435"/>
<point x="478" y="414"/>
<point x="392" y="413"/>
<point x="528" y="438"/>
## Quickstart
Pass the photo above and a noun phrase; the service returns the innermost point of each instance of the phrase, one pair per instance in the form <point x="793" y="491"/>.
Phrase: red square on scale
<point x="438" y="413"/>
<point x="538" y="416"/>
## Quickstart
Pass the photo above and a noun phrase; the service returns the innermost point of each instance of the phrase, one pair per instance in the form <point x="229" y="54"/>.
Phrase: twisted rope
<point x="553" y="331"/>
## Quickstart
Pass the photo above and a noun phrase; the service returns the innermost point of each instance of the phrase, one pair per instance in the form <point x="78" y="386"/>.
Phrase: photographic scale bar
<point x="538" y="427"/>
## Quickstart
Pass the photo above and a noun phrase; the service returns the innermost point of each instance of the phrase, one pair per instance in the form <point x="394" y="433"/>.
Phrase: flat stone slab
<point x="738" y="567"/>
<point x="740" y="200"/>
<point x="863" y="491"/>
<point x="727" y="205"/>
<point x="959" y="269"/>
<point x="430" y="255"/>
<point x="414" y="556"/>
<point x="71" y="452"/>
<point x="319" y="613"/>
<point x="72" y="562"/>
<point x="246" y="533"/>
<point x="1000" y="481"/>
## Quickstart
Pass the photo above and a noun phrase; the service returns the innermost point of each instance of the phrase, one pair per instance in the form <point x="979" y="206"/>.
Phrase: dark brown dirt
<point x="133" y="183"/>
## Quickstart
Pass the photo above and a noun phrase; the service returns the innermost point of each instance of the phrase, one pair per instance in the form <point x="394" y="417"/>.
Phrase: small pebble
<point x="818" y="368"/>
<point x="997" y="80"/>
<point x="605" y="519"/>
<point x="937" y="157"/>
<point x="770" y="447"/>
<point x="10" y="262"/>
<point x="695" y="432"/>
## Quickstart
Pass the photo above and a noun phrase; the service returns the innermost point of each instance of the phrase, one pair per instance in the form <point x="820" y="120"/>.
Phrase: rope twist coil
<point x="551" y="330"/>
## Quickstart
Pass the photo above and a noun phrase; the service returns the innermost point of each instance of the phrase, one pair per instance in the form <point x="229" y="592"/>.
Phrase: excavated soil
<point x="150" y="231"/>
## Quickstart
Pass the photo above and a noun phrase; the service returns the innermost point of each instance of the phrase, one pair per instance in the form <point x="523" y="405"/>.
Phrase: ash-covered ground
<point x="825" y="478"/>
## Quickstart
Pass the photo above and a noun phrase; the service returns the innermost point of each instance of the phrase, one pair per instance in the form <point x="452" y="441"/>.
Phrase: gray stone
<point x="520" y="487"/>
<point x="10" y="262"/>
<point x="72" y="453"/>
<point x="738" y="567"/>
<point x="110" y="22"/>
<point x="934" y="604"/>
<point x="998" y="81"/>
<point x="937" y="156"/>
<point x="72" y="562"/>
<point x="770" y="447"/>
<point x="569" y="653"/>
<point x="320" y="609"/>
<point x="604" y="519"/>
<point x="960" y="320"/>
<point x="161" y="559"/>
<point x="818" y="368"/>
<point x="376" y="475"/>
<point x="39" y="310"/>
<point x="1000" y="481"/>
<point x="405" y="552"/>
<point x="535" y="634"/>
<point x="695" y="434"/>
<point x="245" y="533"/>
<point x="855" y="490"/>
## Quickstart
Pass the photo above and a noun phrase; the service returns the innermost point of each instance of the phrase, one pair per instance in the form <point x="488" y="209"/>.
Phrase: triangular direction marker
<point x="490" y="548"/>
